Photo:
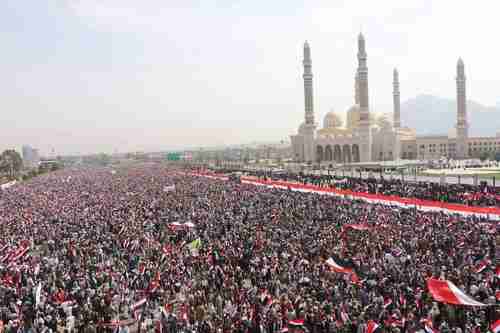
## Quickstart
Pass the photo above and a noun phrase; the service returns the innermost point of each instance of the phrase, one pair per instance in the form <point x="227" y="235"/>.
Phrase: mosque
<point x="366" y="138"/>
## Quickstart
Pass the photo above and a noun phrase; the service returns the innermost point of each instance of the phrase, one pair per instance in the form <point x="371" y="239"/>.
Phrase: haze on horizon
<point x="85" y="76"/>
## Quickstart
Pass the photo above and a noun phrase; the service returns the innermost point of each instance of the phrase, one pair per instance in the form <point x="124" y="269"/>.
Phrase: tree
<point x="11" y="162"/>
<point x="484" y="156"/>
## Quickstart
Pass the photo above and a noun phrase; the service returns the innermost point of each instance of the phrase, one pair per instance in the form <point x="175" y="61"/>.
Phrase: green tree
<point x="11" y="162"/>
<point x="484" y="156"/>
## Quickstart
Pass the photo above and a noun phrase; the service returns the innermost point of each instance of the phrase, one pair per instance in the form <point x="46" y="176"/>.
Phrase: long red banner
<point x="494" y="212"/>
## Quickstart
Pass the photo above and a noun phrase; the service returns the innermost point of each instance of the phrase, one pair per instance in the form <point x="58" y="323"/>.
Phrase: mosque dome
<point x="353" y="116"/>
<point x="354" y="108"/>
<point x="302" y="128"/>
<point x="383" y="121"/>
<point x="332" y="120"/>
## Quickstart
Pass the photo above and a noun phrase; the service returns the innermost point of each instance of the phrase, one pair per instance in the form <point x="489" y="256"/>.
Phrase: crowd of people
<point x="152" y="249"/>
<point x="471" y="195"/>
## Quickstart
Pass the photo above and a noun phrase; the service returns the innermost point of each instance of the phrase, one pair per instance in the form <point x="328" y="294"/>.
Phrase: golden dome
<point x="332" y="120"/>
<point x="353" y="117"/>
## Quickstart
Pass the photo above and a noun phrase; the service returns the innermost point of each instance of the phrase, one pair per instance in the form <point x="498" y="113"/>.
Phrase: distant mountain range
<point x="429" y="114"/>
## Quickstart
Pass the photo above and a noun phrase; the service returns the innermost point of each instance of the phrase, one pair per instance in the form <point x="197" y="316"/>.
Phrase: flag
<point x="38" y="294"/>
<point x="495" y="327"/>
<point x="195" y="245"/>
<point x="497" y="272"/>
<point x="338" y="268"/>
<point x="344" y="316"/>
<point x="180" y="226"/>
<point x="481" y="266"/>
<point x="296" y="323"/>
<point x="138" y="304"/>
<point x="387" y="302"/>
<point x="155" y="283"/>
<point x="371" y="326"/>
<point x="355" y="279"/>
<point x="184" y="312"/>
<point x="359" y="227"/>
<point x="402" y="300"/>
<point x="142" y="268"/>
<point x="446" y="292"/>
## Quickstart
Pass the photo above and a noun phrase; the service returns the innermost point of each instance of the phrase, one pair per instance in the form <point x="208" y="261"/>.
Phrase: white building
<point x="366" y="138"/>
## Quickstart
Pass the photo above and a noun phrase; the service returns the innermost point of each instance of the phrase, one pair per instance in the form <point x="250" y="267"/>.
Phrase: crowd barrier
<point x="392" y="200"/>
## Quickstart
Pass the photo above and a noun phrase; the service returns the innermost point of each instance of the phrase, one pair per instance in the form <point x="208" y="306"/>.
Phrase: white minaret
<point x="364" y="108"/>
<point x="397" y="115"/>
<point x="356" y="89"/>
<point x="396" y="99"/>
<point x="462" y="125"/>
<point x="309" y="125"/>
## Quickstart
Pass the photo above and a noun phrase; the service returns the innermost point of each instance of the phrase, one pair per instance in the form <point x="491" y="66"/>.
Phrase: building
<point x="31" y="158"/>
<point x="366" y="138"/>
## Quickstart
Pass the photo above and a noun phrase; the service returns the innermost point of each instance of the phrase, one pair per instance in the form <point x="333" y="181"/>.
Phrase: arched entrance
<point x="328" y="153"/>
<point x="346" y="152"/>
<point x="355" y="153"/>
<point x="319" y="154"/>
<point x="337" y="154"/>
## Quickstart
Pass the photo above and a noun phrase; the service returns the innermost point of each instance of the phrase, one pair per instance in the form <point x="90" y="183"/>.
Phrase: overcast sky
<point x="103" y="75"/>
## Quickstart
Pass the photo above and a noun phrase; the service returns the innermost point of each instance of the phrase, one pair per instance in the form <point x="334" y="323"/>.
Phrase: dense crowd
<point x="471" y="195"/>
<point x="147" y="248"/>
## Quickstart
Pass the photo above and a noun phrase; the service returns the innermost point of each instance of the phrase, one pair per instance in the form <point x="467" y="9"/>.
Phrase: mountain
<point x="430" y="114"/>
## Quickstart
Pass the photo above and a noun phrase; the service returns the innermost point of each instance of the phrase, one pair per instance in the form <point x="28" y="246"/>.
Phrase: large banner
<point x="392" y="200"/>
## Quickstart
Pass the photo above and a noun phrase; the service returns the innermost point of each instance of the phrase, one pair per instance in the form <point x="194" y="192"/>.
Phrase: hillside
<point x="435" y="115"/>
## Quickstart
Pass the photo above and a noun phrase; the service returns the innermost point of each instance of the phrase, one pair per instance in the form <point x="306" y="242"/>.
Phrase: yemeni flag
<point x="358" y="227"/>
<point x="355" y="279"/>
<point x="142" y="268"/>
<point x="371" y="326"/>
<point x="296" y="323"/>
<point x="387" y="302"/>
<point x="481" y="266"/>
<point x="338" y="268"/>
<point x="445" y="291"/>
<point x="495" y="327"/>
<point x="139" y="304"/>
<point x="153" y="286"/>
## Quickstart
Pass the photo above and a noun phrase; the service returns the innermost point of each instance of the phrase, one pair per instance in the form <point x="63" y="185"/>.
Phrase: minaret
<point x="308" y="85"/>
<point x="310" y="126"/>
<point x="462" y="125"/>
<point x="396" y="100"/>
<point x="356" y="89"/>
<point x="364" y="108"/>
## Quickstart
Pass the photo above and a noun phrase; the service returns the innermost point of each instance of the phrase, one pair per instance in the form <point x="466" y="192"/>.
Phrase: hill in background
<point x="430" y="114"/>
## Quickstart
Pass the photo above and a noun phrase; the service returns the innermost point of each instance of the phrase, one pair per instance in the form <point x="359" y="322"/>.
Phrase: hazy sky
<point x="100" y="75"/>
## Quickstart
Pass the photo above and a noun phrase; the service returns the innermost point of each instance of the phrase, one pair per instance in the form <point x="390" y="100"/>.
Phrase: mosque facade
<point x="367" y="138"/>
